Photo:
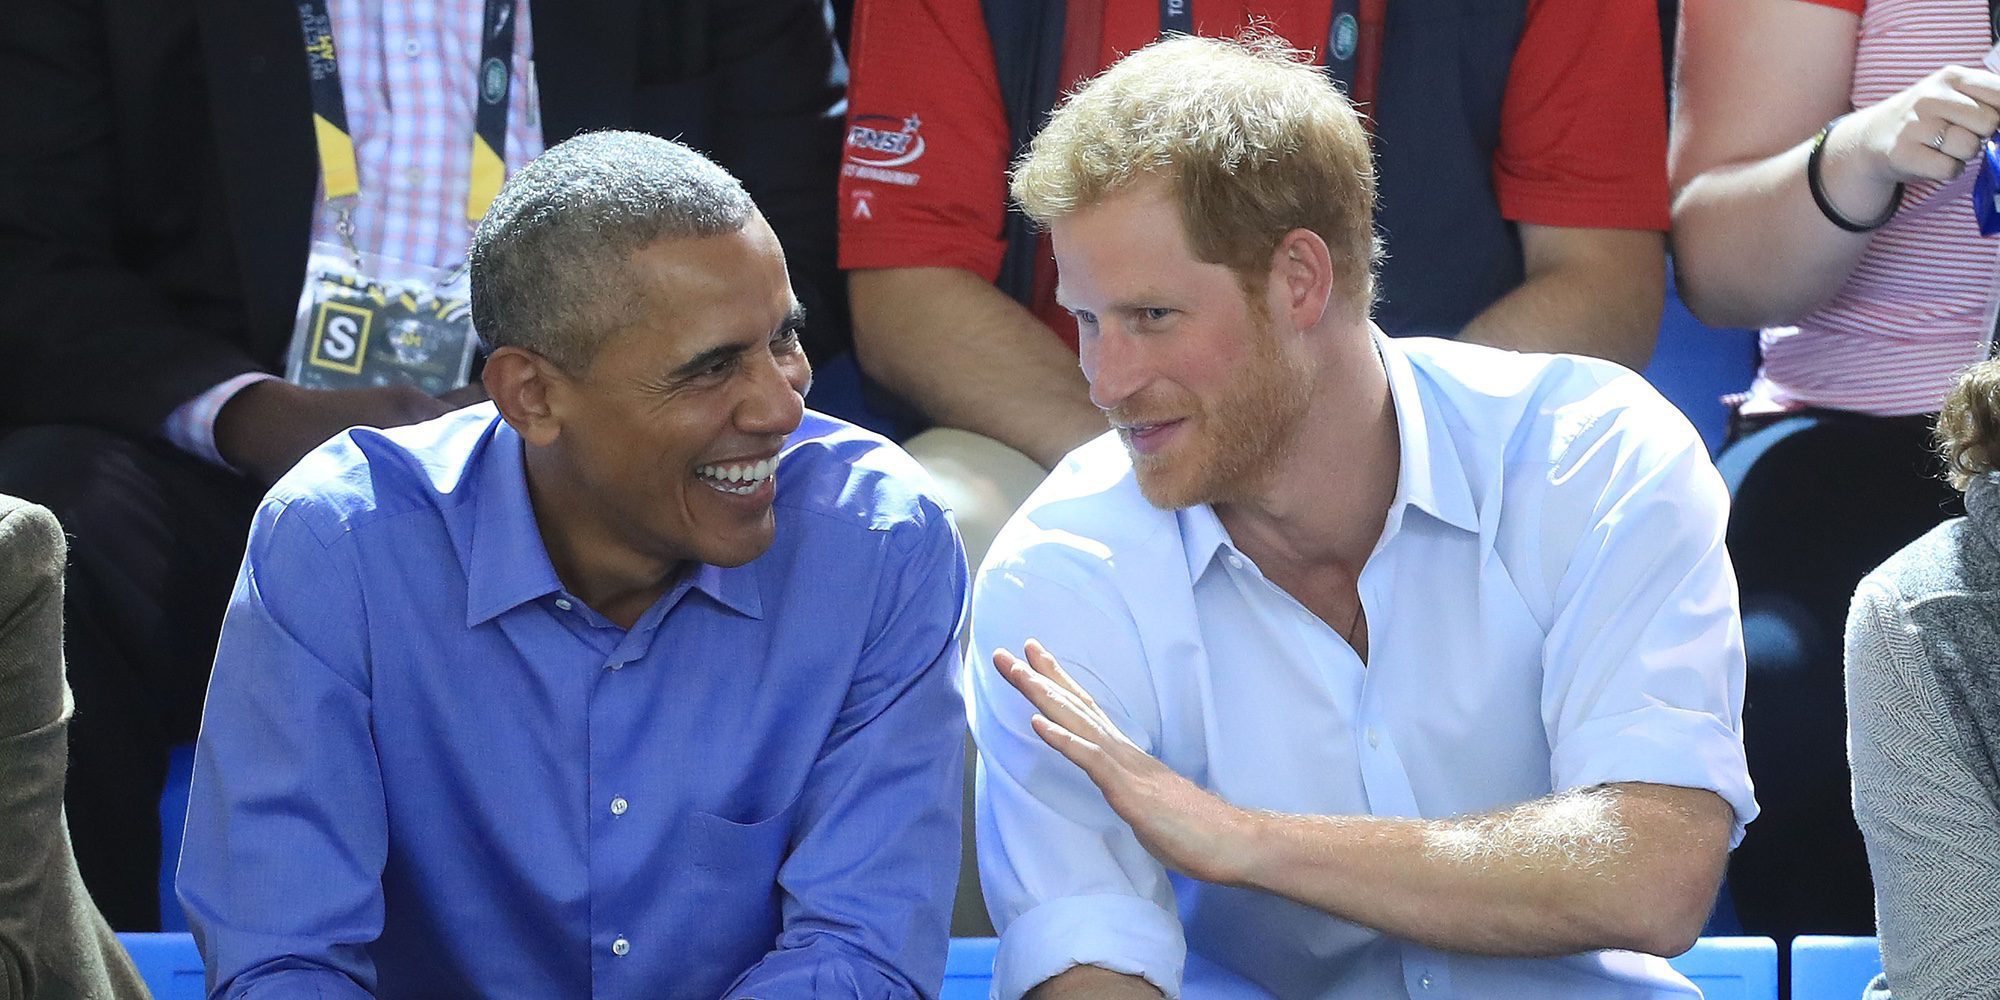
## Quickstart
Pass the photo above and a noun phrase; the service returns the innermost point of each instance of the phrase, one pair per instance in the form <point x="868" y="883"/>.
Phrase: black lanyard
<point x="489" y="127"/>
<point x="1352" y="33"/>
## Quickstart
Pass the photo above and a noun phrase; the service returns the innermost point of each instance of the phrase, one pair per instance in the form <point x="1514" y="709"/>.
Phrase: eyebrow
<point x="1149" y="298"/>
<point x="794" y="320"/>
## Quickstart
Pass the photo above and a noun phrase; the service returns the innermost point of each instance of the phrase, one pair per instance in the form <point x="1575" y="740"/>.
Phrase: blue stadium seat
<point x="173" y="818"/>
<point x="1695" y="365"/>
<point x="1735" y="968"/>
<point x="968" y="968"/>
<point x="169" y="963"/>
<point x="1833" y="968"/>
<point x="1726" y="968"/>
<point x="1732" y="968"/>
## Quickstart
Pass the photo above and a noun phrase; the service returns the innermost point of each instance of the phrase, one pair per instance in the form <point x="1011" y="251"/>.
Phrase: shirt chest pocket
<point x="731" y="886"/>
<point x="724" y="846"/>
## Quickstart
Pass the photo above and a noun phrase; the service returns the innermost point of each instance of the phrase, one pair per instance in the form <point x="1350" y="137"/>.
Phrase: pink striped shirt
<point x="409" y="73"/>
<point x="1920" y="305"/>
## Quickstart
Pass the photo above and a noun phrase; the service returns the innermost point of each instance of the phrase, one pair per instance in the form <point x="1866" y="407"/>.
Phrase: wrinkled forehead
<point x="690" y="294"/>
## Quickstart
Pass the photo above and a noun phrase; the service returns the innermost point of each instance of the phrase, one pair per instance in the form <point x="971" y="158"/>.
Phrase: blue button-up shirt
<point x="427" y="770"/>
<point x="1549" y="608"/>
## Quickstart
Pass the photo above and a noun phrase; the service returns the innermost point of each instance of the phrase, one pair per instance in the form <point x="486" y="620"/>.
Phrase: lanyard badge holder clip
<point x="365" y="319"/>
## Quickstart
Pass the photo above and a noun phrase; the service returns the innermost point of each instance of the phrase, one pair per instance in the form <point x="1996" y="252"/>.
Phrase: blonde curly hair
<point x="1968" y="428"/>
<point x="1254" y="140"/>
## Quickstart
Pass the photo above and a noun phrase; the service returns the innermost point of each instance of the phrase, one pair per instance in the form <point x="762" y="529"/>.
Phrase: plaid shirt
<point x="409" y="70"/>
<point x="410" y="98"/>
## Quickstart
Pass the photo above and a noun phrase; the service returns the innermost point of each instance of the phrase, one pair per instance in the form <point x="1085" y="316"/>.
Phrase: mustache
<point x="1145" y="410"/>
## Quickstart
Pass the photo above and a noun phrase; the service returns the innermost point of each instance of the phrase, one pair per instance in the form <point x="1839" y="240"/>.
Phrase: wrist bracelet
<point x="1818" y="189"/>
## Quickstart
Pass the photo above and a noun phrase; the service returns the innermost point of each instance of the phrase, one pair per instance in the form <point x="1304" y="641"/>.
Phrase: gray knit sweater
<point x="53" y="943"/>
<point x="1923" y="704"/>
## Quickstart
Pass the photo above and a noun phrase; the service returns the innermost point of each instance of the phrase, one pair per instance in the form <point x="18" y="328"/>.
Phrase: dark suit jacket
<point x="157" y="173"/>
<point x="53" y="943"/>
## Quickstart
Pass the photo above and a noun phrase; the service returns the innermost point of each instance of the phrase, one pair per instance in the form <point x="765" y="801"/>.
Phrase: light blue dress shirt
<point x="426" y="770"/>
<point x="1549" y="607"/>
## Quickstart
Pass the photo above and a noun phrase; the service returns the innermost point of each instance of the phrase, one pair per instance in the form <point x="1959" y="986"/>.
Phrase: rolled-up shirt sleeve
<point x="287" y="831"/>
<point x="1643" y="665"/>
<point x="1066" y="881"/>
<point x="868" y="886"/>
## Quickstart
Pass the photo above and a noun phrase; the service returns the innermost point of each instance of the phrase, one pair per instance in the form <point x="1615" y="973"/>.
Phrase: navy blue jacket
<point x="157" y="173"/>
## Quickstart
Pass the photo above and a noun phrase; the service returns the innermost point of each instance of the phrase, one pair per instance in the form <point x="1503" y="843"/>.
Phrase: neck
<point x="592" y="557"/>
<point x="1325" y="504"/>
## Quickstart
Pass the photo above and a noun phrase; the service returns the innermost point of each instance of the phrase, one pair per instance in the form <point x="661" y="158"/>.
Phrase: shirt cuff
<point x="1660" y="745"/>
<point x="191" y="427"/>
<point x="1121" y="933"/>
<point x="822" y="970"/>
<point x="289" y="980"/>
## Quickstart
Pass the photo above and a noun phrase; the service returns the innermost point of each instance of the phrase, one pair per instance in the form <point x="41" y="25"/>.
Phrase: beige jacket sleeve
<point x="54" y="945"/>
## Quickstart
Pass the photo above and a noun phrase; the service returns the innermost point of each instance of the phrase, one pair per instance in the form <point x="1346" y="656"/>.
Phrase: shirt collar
<point x="733" y="587"/>
<point x="1202" y="537"/>
<point x="508" y="566"/>
<point x="1430" y="476"/>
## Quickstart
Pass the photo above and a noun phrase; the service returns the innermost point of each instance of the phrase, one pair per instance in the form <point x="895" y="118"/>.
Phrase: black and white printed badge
<point x="356" y="327"/>
<point x="367" y="320"/>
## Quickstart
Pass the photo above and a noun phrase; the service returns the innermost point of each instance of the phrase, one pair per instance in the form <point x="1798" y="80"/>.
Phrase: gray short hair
<point x="548" y="262"/>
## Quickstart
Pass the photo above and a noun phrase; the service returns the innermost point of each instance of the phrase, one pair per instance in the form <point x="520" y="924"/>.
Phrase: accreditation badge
<point x="1986" y="187"/>
<point x="365" y="320"/>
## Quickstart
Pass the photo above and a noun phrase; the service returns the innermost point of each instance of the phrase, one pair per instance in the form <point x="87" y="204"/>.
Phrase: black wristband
<point x="1818" y="189"/>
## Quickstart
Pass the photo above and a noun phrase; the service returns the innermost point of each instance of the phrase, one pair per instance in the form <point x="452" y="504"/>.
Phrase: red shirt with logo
<point x="924" y="179"/>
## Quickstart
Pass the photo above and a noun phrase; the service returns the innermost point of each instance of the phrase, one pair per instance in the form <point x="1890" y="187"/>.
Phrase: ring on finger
<point x="1937" y="141"/>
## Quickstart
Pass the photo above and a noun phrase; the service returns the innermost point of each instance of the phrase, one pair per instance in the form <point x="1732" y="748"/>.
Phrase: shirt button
<point x="1374" y="738"/>
<point x="619" y="805"/>
<point x="413" y="48"/>
<point x="620" y="947"/>
<point x="1235" y="561"/>
<point x="563" y="603"/>
<point x="1425" y="982"/>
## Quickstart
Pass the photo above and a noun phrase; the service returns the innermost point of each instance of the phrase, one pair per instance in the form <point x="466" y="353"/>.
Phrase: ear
<point x="521" y="382"/>
<point x="1301" y="283"/>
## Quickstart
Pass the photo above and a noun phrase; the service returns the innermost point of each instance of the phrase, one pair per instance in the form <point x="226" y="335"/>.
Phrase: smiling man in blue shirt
<point x="633" y="683"/>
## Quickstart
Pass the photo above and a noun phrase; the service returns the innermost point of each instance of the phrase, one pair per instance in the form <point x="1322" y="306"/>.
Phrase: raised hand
<point x="1930" y="129"/>
<point x="1185" y="827"/>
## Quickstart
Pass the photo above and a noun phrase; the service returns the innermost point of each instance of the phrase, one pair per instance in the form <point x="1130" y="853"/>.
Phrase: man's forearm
<point x="1597" y="292"/>
<point x="1625" y="866"/>
<point x="969" y="357"/>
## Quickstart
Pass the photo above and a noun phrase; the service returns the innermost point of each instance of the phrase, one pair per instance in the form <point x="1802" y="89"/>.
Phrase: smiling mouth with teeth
<point x="739" y="479"/>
